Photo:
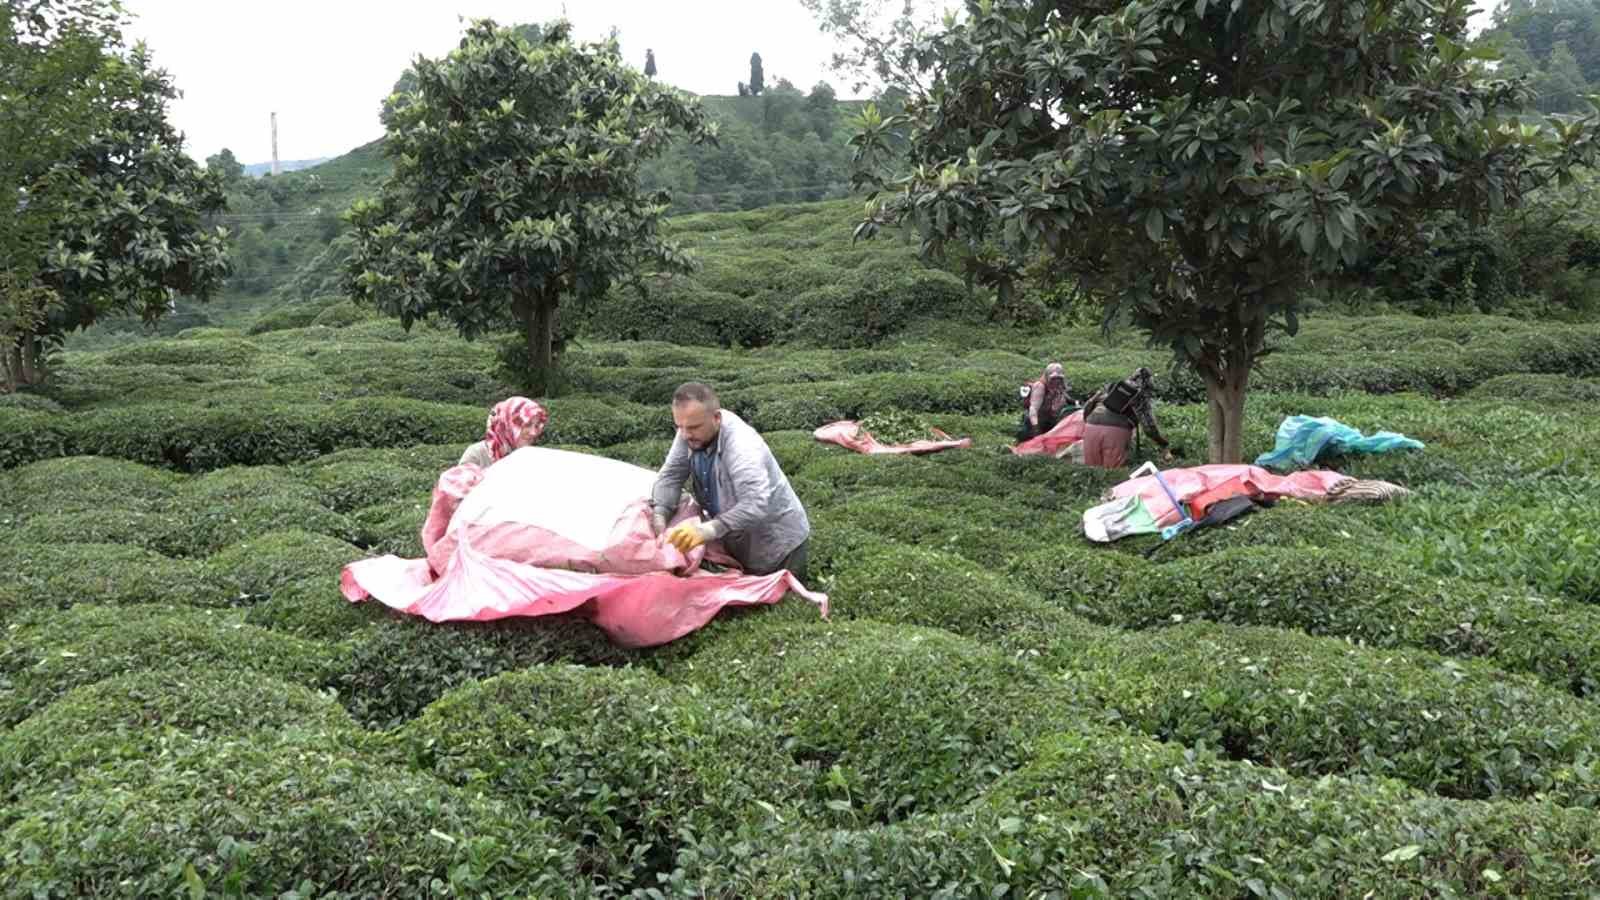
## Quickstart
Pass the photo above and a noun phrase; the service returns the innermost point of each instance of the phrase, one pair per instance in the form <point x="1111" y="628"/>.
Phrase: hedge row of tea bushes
<point x="780" y="757"/>
<point x="204" y="402"/>
<point x="1312" y="701"/>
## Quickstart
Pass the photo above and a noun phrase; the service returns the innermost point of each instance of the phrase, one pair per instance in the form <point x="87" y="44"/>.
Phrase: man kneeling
<point x="736" y="481"/>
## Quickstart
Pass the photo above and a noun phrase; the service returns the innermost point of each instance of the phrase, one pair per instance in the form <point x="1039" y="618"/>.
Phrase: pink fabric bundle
<point x="849" y="434"/>
<point x="1067" y="432"/>
<point x="1311" y="484"/>
<point x="548" y="531"/>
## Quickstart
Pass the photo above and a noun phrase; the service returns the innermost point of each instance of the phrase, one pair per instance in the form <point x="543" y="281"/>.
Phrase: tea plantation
<point x="1385" y="701"/>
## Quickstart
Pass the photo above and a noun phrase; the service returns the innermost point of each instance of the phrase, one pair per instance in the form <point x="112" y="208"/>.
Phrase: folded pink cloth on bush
<point x="1067" y="432"/>
<point x="849" y="434"/>
<point x="1312" y="484"/>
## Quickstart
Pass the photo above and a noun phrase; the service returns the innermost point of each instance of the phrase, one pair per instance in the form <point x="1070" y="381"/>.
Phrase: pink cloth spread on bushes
<point x="1312" y="484"/>
<point x="851" y="436"/>
<point x="1067" y="432"/>
<point x="550" y="531"/>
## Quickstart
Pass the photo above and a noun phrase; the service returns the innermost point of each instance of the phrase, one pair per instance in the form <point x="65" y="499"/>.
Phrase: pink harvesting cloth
<point x="849" y="434"/>
<point x="1185" y="483"/>
<point x="494" y="550"/>
<point x="1067" y="432"/>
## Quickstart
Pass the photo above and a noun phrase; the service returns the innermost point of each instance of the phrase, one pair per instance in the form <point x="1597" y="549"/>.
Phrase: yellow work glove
<point x="688" y="535"/>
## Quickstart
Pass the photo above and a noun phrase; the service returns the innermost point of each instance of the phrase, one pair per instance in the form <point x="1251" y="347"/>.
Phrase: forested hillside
<point x="1555" y="41"/>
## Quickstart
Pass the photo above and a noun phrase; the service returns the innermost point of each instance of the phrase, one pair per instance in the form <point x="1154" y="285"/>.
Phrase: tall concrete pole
<point x="274" y="144"/>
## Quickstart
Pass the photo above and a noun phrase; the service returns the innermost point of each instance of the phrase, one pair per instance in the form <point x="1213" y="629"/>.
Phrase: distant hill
<point x="256" y="170"/>
<point x="785" y="146"/>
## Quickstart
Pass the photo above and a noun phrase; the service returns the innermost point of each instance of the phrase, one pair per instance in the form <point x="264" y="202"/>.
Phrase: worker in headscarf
<point x="1046" y="401"/>
<point x="1111" y="415"/>
<point x="514" y="422"/>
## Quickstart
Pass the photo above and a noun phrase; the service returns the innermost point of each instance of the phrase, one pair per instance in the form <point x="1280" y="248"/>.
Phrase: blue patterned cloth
<point x="1301" y="439"/>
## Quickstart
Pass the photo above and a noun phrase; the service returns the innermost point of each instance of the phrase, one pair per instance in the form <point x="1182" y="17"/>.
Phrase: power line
<point x="675" y="196"/>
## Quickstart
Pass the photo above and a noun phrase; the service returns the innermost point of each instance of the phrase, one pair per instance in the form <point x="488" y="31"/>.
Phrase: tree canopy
<point x="1195" y="163"/>
<point x="109" y="212"/>
<point x="1556" y="43"/>
<point x="516" y="184"/>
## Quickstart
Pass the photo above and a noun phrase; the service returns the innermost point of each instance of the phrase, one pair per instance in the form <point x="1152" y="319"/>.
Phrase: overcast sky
<point x="325" y="65"/>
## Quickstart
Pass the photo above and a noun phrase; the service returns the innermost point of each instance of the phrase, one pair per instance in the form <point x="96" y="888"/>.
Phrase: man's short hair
<point x="695" y="392"/>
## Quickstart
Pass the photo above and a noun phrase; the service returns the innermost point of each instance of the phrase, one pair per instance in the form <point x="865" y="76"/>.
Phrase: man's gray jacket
<point x="761" y="519"/>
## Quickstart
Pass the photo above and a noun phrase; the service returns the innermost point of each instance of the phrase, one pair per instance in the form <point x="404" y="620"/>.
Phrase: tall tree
<point x="876" y="40"/>
<point x="516" y="184"/>
<point x="108" y="211"/>
<point x="649" y="64"/>
<point x="225" y="164"/>
<point x="1561" y="85"/>
<point x="822" y="110"/>
<point x="1196" y="162"/>
<point x="757" y="82"/>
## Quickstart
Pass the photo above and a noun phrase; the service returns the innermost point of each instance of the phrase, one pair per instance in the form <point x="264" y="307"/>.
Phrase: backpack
<point x="1121" y="397"/>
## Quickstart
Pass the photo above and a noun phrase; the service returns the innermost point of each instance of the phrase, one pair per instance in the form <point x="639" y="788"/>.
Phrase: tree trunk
<point x="32" y="373"/>
<point x="21" y="362"/>
<point x="12" y="364"/>
<point x="1225" y="414"/>
<point x="538" y="317"/>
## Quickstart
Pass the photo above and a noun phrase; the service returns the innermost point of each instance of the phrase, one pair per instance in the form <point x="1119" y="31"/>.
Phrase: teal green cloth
<point x="1301" y="439"/>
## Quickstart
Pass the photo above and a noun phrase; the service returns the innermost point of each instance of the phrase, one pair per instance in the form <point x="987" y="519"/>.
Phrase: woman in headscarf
<point x="1112" y="413"/>
<point x="1048" y="402"/>
<point x="514" y="422"/>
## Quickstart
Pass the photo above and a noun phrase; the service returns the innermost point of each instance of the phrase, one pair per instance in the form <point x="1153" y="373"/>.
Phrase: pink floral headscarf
<point x="509" y="421"/>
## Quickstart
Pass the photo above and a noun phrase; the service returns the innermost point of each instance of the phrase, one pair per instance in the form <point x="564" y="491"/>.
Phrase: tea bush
<point x="1100" y="813"/>
<point x="182" y="437"/>
<point x="887" y="720"/>
<point x="1073" y="576"/>
<point x="343" y="314"/>
<point x="429" y="458"/>
<point x="1348" y="594"/>
<point x="598" y="423"/>
<point x="62" y="575"/>
<point x="349" y="486"/>
<point x="1314" y="706"/>
<point x="1539" y="390"/>
<point x="673" y="310"/>
<point x="87" y="484"/>
<point x="128" y="718"/>
<point x="233" y="505"/>
<point x="257" y="567"/>
<point x="132" y="528"/>
<point x="178" y="352"/>
<point x="871" y="305"/>
<point x="312" y="607"/>
<point x="911" y="586"/>
<point x="290" y="315"/>
<point x="985" y="531"/>
<point x="51" y="654"/>
<point x="297" y="813"/>
<point x="1525" y="535"/>
<point x="393" y="527"/>
<point x="618" y="762"/>
<point x="392" y="670"/>
<point x="33" y="402"/>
